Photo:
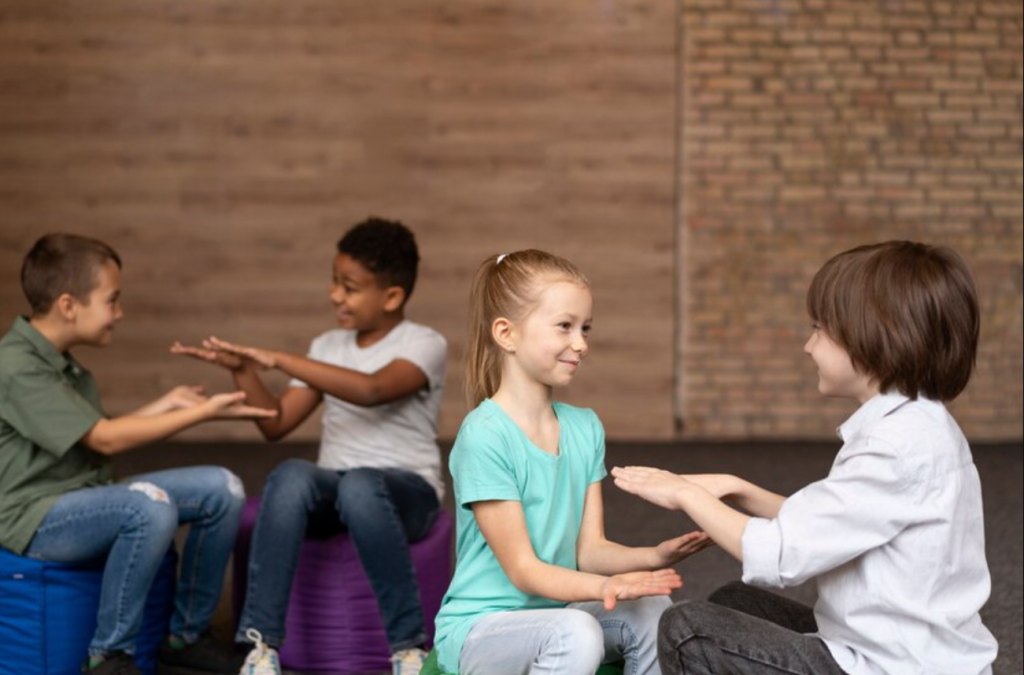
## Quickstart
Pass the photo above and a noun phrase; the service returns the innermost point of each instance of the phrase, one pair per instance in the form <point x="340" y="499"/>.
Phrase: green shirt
<point x="494" y="460"/>
<point x="48" y="402"/>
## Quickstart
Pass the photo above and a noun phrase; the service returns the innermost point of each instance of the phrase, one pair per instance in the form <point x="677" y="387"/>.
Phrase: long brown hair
<point x="505" y="286"/>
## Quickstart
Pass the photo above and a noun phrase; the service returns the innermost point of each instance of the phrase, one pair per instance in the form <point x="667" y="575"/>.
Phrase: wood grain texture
<point x="223" y="147"/>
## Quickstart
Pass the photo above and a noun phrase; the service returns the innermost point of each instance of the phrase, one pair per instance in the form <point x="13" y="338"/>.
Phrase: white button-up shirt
<point x="895" y="539"/>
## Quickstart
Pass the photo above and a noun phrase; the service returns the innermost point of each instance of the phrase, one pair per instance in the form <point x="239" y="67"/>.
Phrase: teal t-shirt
<point x="494" y="460"/>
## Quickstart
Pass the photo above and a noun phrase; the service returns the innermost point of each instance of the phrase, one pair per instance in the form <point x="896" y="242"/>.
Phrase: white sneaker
<point x="408" y="661"/>
<point x="262" y="659"/>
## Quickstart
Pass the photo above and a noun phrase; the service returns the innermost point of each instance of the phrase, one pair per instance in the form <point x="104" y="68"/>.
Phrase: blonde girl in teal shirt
<point x="537" y="587"/>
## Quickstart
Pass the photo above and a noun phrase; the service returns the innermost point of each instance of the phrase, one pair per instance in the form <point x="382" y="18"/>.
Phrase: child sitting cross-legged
<point x="893" y="537"/>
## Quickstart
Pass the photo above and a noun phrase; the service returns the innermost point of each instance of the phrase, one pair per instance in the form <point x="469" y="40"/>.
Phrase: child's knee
<point x="291" y="477"/>
<point x="645" y="613"/>
<point x="361" y="489"/>
<point x="290" y="470"/>
<point x="728" y="594"/>
<point x="234" y="485"/>
<point x="690" y="618"/>
<point x="580" y="638"/>
<point x="151" y="510"/>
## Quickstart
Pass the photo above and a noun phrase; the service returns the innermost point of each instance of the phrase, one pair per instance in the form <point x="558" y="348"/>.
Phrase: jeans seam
<point x="130" y="570"/>
<point x="633" y="643"/>
<point x="192" y="573"/>
<point x="735" y="652"/>
<point x="70" y="518"/>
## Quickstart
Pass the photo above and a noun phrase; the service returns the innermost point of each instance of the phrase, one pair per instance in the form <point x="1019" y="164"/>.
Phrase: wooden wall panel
<point x="223" y="147"/>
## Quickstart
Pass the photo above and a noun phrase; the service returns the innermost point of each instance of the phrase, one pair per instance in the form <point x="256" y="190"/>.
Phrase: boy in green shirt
<point x="58" y="500"/>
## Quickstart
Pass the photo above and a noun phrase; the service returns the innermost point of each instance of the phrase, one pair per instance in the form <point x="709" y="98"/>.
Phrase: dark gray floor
<point x="782" y="467"/>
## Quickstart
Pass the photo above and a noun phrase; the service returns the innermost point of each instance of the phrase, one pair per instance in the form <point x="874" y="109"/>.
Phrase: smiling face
<point x="359" y="301"/>
<point x="550" y="343"/>
<point x="837" y="376"/>
<point x="94" y="319"/>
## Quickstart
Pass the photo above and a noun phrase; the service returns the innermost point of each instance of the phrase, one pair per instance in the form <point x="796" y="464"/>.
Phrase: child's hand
<point x="261" y="357"/>
<point x="633" y="585"/>
<point x="672" y="551"/>
<point x="231" y="406"/>
<point x="655" y="485"/>
<point x="182" y="397"/>
<point x="223" y="359"/>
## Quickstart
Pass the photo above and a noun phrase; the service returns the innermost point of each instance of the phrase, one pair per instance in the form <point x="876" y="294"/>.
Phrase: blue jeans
<point x="381" y="509"/>
<point x="574" y="640"/>
<point x="132" y="524"/>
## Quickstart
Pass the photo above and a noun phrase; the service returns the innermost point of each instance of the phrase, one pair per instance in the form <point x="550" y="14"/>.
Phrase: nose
<point x="337" y="293"/>
<point x="810" y="343"/>
<point x="580" y="345"/>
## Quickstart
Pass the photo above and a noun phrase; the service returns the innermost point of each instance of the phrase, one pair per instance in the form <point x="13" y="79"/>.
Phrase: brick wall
<point x="811" y="126"/>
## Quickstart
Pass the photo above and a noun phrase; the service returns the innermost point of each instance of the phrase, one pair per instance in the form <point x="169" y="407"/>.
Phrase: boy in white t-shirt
<point x="379" y="471"/>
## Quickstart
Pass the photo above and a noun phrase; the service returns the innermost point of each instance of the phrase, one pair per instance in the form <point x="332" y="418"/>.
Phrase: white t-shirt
<point x="397" y="435"/>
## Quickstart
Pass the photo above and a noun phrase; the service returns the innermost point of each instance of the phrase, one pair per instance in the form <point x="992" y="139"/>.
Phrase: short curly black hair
<point x="385" y="247"/>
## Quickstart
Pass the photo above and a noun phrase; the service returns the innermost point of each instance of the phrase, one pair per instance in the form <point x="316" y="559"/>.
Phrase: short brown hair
<point x="905" y="312"/>
<point x="62" y="263"/>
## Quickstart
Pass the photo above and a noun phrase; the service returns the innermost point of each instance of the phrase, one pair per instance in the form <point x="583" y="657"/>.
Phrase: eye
<point x="565" y="325"/>
<point x="586" y="329"/>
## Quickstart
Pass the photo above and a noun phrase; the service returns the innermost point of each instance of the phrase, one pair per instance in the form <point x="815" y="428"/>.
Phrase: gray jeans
<point x="575" y="640"/>
<point x="742" y="630"/>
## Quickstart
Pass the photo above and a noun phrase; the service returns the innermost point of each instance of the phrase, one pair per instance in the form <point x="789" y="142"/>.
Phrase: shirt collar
<point x="42" y="346"/>
<point x="873" y="410"/>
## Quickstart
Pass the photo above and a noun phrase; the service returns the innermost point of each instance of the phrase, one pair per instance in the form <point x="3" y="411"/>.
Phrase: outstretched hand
<point x="230" y="406"/>
<point x="183" y="396"/>
<point x="657" y="486"/>
<point x="223" y="359"/>
<point x="262" y="357"/>
<point x="679" y="548"/>
<point x="633" y="585"/>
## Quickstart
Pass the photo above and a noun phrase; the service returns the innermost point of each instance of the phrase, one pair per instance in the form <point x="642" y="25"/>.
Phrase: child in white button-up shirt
<point x="894" y="535"/>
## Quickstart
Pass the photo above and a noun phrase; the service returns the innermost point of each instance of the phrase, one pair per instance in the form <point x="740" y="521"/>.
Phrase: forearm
<point x="724" y="524"/>
<point x="343" y="383"/>
<point x="557" y="583"/>
<point x="152" y="408"/>
<point x="112" y="436"/>
<point x="609" y="558"/>
<point x="257" y="394"/>
<point x="755" y="500"/>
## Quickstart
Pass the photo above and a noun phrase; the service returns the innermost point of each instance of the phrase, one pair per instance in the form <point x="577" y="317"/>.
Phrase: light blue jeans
<point x="575" y="640"/>
<point x="132" y="524"/>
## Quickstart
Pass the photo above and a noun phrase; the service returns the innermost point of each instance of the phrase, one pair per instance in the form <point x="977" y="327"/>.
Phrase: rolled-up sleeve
<point x="867" y="499"/>
<point x="44" y="408"/>
<point x="762" y="546"/>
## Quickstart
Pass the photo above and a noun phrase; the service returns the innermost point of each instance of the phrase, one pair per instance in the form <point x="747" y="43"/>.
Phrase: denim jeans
<point x="132" y="524"/>
<point x="574" y="640"/>
<point x="742" y="630"/>
<point x="381" y="509"/>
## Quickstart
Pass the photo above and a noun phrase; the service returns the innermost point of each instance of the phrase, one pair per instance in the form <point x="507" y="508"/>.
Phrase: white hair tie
<point x="501" y="257"/>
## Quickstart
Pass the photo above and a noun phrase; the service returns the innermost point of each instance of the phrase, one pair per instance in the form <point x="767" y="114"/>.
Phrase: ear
<point x="394" y="296"/>
<point x="66" y="307"/>
<point x="503" y="332"/>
